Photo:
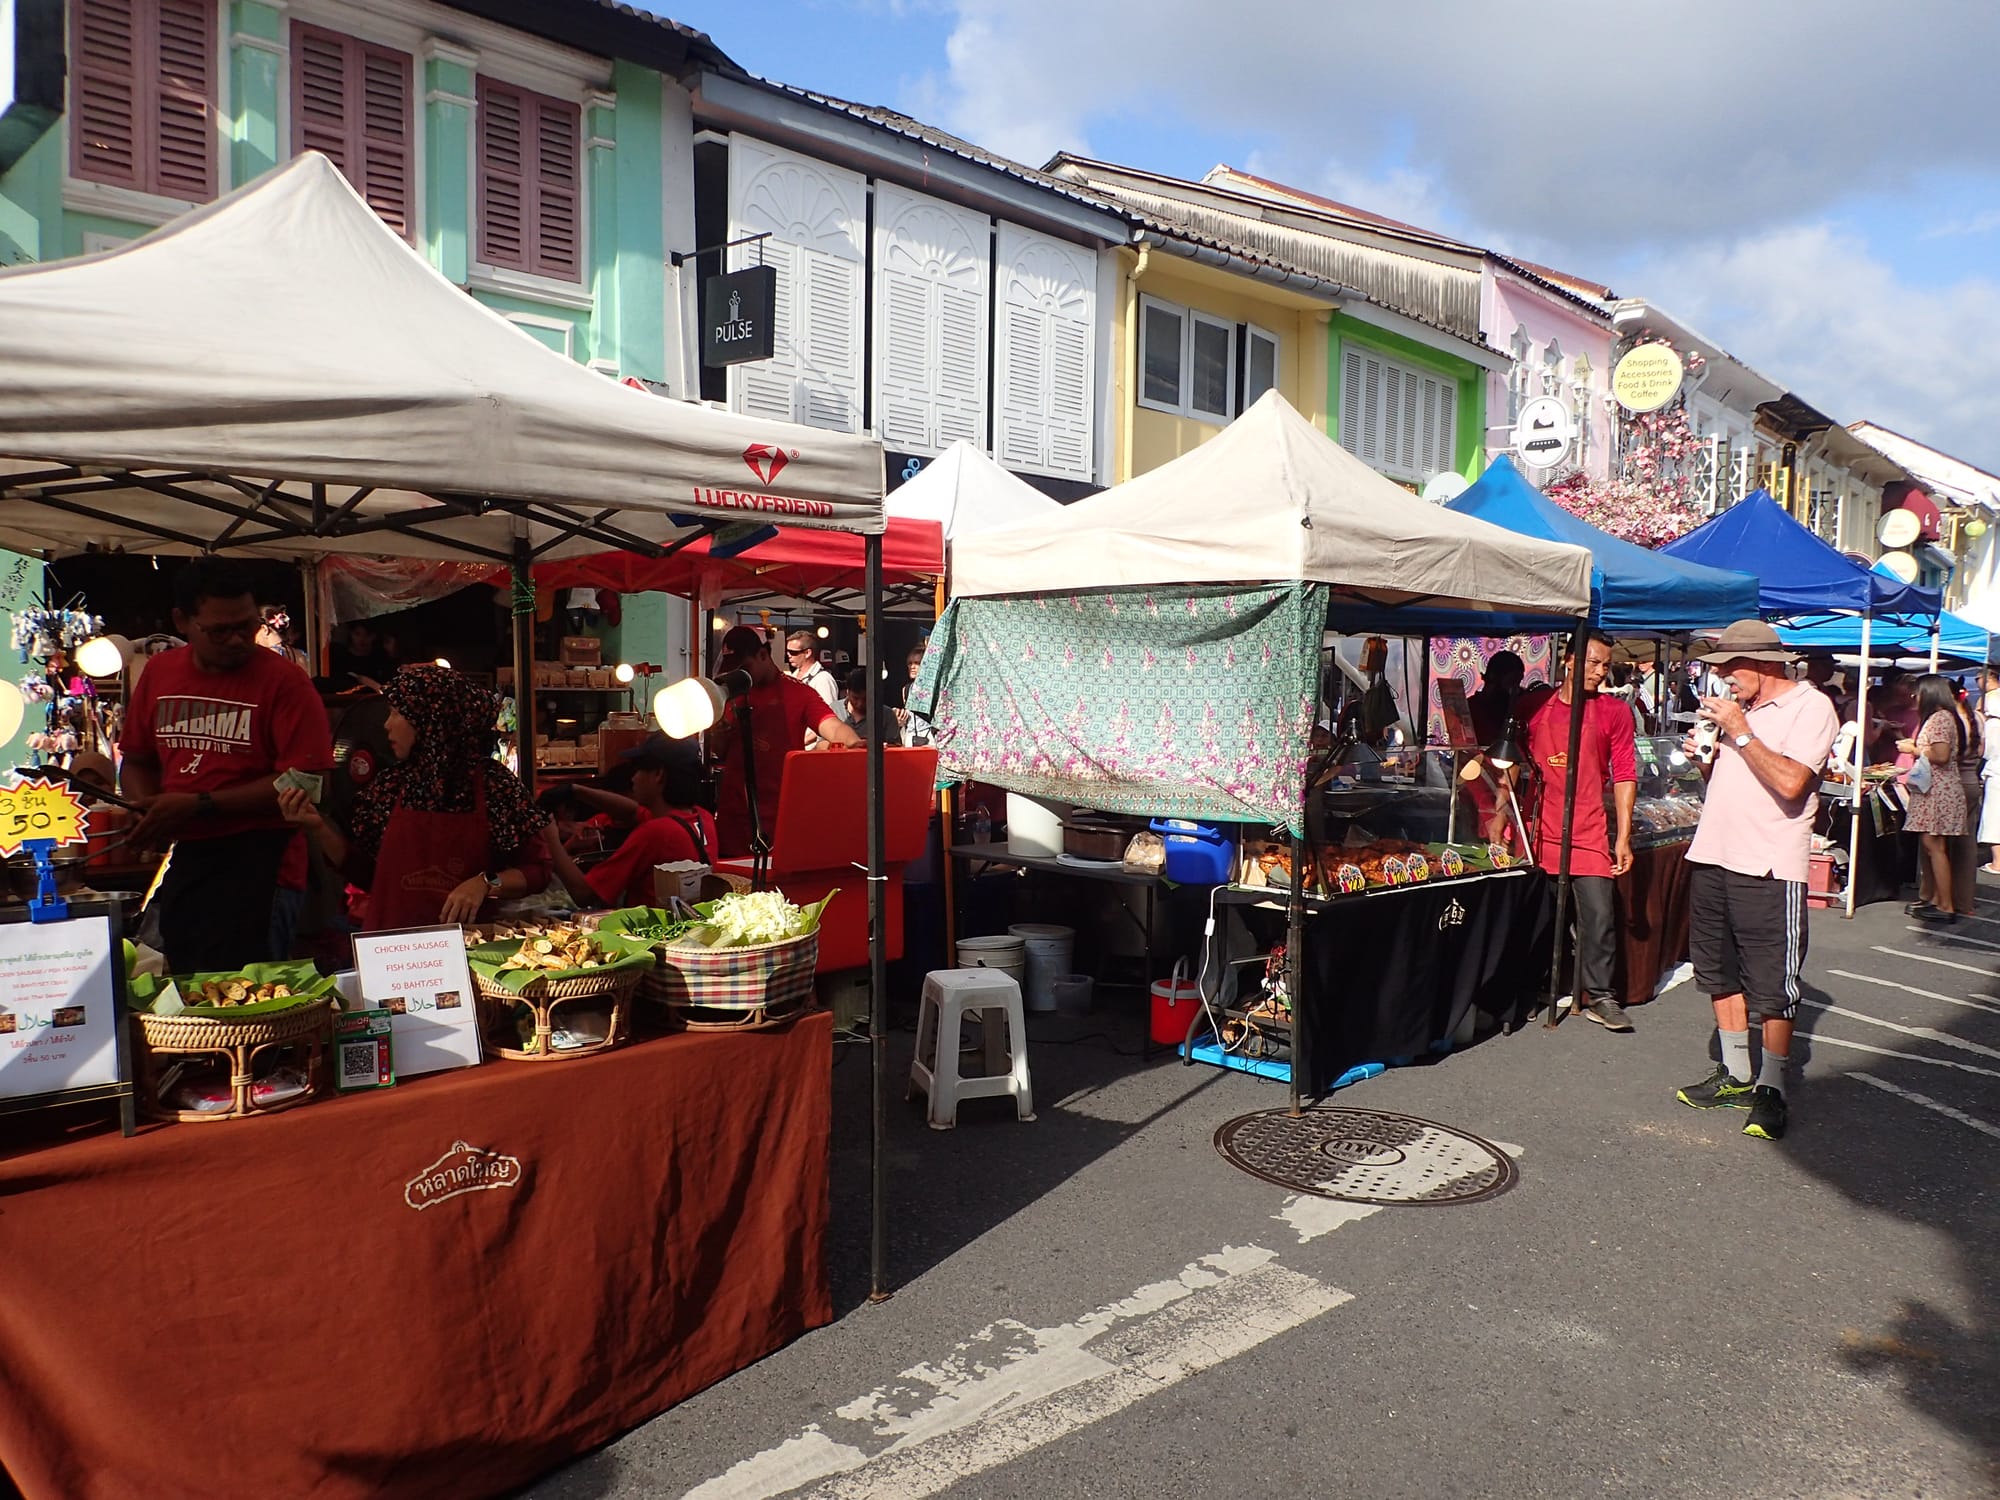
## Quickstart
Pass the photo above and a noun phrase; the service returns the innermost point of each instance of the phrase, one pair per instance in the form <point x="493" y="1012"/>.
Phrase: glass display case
<point x="1670" y="793"/>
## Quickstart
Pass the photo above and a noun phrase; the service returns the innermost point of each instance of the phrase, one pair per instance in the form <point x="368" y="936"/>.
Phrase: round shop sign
<point x="1544" y="432"/>
<point x="1647" y="378"/>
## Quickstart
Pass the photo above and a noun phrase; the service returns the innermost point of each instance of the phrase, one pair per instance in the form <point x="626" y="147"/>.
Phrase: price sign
<point x="40" y="809"/>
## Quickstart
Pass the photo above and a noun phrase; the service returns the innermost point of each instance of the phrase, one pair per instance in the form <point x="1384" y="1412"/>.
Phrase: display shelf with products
<point x="1671" y="787"/>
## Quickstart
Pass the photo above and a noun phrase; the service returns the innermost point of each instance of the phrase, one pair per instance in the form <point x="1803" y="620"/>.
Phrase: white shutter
<point x="816" y="217"/>
<point x="933" y="265"/>
<point x="1396" y="418"/>
<point x="1444" y="443"/>
<point x="1043" y="401"/>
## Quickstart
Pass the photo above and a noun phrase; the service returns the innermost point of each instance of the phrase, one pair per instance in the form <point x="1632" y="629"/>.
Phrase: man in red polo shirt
<point x="782" y="711"/>
<point x="1606" y="757"/>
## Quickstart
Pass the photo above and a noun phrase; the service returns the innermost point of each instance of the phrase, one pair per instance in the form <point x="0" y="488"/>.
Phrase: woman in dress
<point x="447" y="828"/>
<point x="1989" y="723"/>
<point x="1971" y="755"/>
<point x="1938" y="815"/>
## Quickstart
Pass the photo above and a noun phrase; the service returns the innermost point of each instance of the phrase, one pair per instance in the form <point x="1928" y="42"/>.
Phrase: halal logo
<point x="767" y="461"/>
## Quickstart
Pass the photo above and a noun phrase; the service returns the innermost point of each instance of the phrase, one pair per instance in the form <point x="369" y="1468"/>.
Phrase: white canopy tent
<point x="278" y="372"/>
<point x="965" y="492"/>
<point x="1273" y="497"/>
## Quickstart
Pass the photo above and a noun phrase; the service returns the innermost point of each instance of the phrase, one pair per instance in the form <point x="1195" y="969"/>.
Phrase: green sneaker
<point x="1717" y="1091"/>
<point x="1767" y="1115"/>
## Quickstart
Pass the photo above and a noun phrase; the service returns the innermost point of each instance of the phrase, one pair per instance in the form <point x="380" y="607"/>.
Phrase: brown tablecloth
<point x="1652" y="919"/>
<point x="442" y="1289"/>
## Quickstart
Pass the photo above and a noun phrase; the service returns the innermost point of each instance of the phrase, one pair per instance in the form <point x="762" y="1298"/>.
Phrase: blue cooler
<point x="1197" y="853"/>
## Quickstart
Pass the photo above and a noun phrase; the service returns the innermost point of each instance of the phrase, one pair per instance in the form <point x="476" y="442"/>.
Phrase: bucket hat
<point x="1748" y="640"/>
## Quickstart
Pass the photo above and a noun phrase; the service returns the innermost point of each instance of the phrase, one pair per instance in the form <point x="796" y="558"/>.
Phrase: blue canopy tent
<point x="1799" y="575"/>
<point x="1632" y="590"/>
<point x="1954" y="637"/>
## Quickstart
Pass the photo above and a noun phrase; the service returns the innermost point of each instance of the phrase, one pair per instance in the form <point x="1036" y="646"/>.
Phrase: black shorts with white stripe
<point x="1747" y="933"/>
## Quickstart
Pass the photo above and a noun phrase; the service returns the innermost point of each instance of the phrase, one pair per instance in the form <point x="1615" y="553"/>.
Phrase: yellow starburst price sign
<point x="40" y="809"/>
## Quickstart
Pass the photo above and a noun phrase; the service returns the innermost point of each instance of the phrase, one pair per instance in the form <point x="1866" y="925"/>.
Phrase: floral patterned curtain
<point x="1193" y="702"/>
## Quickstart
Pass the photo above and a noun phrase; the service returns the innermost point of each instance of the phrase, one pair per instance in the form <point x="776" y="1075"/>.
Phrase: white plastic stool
<point x="954" y="995"/>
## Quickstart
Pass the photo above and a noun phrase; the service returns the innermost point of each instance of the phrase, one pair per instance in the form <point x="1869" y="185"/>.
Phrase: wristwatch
<point x="492" y="885"/>
<point x="1742" y="741"/>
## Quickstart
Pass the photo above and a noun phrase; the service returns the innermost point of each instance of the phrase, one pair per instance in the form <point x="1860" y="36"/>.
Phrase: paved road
<point x="1097" y="1304"/>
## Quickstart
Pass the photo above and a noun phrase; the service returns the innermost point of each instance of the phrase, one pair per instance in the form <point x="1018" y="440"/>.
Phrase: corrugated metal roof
<point x="1442" y="297"/>
<point x="930" y="135"/>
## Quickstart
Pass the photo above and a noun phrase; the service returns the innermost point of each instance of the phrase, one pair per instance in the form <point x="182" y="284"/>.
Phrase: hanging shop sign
<point x="1647" y="378"/>
<point x="1544" y="433"/>
<point x="738" y="322"/>
<point x="1898" y="528"/>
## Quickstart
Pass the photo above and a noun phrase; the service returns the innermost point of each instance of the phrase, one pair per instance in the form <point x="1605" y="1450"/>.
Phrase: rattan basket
<point x="547" y="998"/>
<point x="239" y="1043"/>
<point x="734" y="989"/>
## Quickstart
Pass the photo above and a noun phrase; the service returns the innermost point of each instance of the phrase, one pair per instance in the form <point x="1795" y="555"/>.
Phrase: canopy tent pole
<point x="1860" y="760"/>
<point x="1420" y="732"/>
<point x="878" y="948"/>
<point x="946" y="803"/>
<point x="522" y="599"/>
<point x="1578" y="651"/>
<point x="1937" y="630"/>
<point x="309" y="617"/>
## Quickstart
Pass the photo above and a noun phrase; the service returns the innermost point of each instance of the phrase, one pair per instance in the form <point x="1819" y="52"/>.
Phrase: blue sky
<point x="1814" y="186"/>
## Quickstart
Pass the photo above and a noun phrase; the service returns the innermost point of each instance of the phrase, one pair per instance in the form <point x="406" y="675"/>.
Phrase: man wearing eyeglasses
<point x="210" y="727"/>
<point x="802" y="664"/>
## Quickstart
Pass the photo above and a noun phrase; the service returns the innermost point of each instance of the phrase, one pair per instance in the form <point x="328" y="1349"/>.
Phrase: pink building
<point x="1556" y="330"/>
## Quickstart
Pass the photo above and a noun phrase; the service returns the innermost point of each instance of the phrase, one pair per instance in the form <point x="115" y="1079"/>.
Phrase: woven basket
<point x="240" y="1042"/>
<point x="546" y="998"/>
<point x="734" y="989"/>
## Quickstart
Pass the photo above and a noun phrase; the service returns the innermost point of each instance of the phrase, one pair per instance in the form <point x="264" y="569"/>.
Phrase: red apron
<point x="425" y="857"/>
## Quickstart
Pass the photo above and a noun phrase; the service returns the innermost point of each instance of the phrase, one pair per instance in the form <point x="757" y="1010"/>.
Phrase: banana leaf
<point x="619" y="954"/>
<point x="306" y="982"/>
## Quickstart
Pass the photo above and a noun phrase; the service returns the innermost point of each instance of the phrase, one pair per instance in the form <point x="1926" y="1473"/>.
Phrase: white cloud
<point x="1584" y="123"/>
<point x="1814" y="309"/>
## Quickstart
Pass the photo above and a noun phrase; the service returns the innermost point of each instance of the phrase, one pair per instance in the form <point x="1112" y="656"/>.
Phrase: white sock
<point x="1772" y="1074"/>
<point x="1736" y="1053"/>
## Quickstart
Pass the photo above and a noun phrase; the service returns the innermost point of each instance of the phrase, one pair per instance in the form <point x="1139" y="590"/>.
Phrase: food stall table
<point x="1102" y="872"/>
<point x="446" y="1288"/>
<point x="1389" y="974"/>
<point x="1652" y="920"/>
<point x="1883" y="863"/>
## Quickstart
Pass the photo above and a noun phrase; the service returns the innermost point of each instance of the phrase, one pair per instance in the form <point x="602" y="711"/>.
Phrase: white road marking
<point x="1312" y="1216"/>
<point x="1911" y="989"/>
<point x="1673" y="979"/>
<point x="1820" y="1040"/>
<point x="1011" y="1389"/>
<point x="1942" y="963"/>
<point x="1945" y="935"/>
<point x="1929" y="1103"/>
<point x="1922" y="1033"/>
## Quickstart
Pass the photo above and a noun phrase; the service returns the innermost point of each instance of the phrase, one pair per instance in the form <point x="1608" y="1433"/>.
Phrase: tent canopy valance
<point x="1633" y="590"/>
<point x="1797" y="572"/>
<point x="1272" y="499"/>
<point x="279" y="372"/>
<point x="1957" y="637"/>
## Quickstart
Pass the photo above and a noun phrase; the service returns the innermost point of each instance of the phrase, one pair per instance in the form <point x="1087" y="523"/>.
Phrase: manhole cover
<point x="1365" y="1156"/>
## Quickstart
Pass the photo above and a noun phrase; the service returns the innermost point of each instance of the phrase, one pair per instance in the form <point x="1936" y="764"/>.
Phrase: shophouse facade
<point x="928" y="291"/>
<point x="535" y="153"/>
<point x="1957" y="506"/>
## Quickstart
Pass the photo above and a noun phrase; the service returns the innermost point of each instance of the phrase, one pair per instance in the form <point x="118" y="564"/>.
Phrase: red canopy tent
<point x="796" y="563"/>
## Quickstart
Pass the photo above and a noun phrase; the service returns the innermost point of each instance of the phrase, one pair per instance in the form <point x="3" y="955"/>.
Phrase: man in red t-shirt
<point x="210" y="727"/>
<point x="1606" y="757"/>
<point x="666" y="784"/>
<point x="781" y="713"/>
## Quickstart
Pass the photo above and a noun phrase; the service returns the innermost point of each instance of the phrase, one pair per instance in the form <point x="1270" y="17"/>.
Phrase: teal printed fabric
<point x="1193" y="702"/>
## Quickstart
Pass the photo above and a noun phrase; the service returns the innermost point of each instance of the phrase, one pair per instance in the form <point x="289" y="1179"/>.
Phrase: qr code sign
<point x="362" y="1064"/>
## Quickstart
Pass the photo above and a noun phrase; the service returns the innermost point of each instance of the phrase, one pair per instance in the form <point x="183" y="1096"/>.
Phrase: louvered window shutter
<point x="961" y="365"/>
<point x="929" y="322"/>
<point x="320" y="66"/>
<point x="815" y="216"/>
<point x="1351" y="376"/>
<point x="384" y="131"/>
<point x="1046" y="327"/>
<point x="109" y="134"/>
<point x="1444" y="448"/>
<point x="503" y="187"/>
<point x="184" y="103"/>
<point x="558" y="237"/>
<point x="530" y="182"/>
<point x="903" y="329"/>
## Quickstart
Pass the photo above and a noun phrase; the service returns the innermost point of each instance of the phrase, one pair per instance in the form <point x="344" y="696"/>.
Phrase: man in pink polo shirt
<point x="1747" y="891"/>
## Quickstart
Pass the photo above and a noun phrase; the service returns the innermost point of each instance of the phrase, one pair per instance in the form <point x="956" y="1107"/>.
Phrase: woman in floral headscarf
<point x="447" y="828"/>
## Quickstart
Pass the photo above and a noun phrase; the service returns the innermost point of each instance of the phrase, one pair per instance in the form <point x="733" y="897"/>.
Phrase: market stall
<point x="1802" y="579"/>
<point x="1157" y="650"/>
<point x="1634" y="592"/>
<point x="182" y="394"/>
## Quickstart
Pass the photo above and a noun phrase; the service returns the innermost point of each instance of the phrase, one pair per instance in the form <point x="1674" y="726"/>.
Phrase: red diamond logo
<point x="767" y="462"/>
